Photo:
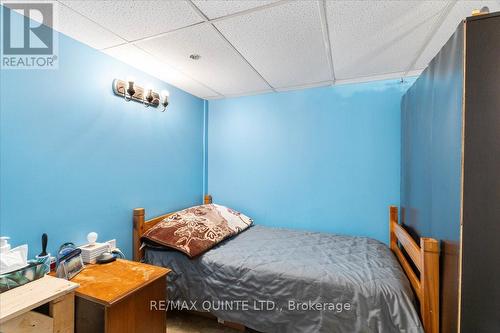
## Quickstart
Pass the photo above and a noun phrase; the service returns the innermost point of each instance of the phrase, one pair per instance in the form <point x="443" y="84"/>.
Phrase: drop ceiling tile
<point x="219" y="67"/>
<point x="80" y="28"/>
<point x="284" y="43"/>
<point x="132" y="55"/>
<point x="133" y="20"/>
<point x="373" y="38"/>
<point x="458" y="13"/>
<point x="218" y="8"/>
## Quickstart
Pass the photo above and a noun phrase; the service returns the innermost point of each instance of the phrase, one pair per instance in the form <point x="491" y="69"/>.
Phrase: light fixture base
<point x="120" y="89"/>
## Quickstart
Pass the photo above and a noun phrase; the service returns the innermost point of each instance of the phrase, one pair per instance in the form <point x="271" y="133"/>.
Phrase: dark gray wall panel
<point x="481" y="209"/>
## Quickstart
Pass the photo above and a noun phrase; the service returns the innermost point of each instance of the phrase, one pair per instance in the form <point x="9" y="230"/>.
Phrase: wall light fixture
<point x="130" y="91"/>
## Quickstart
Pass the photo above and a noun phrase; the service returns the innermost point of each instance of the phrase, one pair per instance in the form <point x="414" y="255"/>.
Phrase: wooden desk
<point x="16" y="305"/>
<point x="115" y="298"/>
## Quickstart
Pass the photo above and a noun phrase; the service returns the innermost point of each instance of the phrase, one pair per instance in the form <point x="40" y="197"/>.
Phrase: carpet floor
<point x="181" y="322"/>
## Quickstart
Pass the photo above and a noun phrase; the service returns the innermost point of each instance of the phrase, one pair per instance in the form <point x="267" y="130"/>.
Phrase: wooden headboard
<point x="426" y="260"/>
<point x="424" y="257"/>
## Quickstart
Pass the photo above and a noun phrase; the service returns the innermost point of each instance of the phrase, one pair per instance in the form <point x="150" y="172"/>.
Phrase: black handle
<point x="45" y="239"/>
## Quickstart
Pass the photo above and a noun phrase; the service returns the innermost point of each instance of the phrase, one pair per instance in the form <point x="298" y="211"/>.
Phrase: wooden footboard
<point x="426" y="259"/>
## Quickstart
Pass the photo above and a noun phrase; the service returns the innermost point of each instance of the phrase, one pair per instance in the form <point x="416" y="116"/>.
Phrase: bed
<point x="279" y="280"/>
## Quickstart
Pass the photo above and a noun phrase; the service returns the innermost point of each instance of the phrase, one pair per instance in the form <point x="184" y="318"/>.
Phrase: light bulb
<point x="92" y="237"/>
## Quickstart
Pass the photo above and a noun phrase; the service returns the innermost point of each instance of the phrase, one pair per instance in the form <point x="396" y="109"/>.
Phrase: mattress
<point x="279" y="280"/>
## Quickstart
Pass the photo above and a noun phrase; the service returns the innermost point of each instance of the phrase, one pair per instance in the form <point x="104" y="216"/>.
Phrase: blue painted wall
<point x="325" y="159"/>
<point x="76" y="158"/>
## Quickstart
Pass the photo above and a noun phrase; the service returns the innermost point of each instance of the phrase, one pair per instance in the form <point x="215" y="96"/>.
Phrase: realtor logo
<point x="28" y="40"/>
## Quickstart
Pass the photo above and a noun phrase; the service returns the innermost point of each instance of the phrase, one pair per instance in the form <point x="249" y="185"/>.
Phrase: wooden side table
<point x="115" y="298"/>
<point x="16" y="305"/>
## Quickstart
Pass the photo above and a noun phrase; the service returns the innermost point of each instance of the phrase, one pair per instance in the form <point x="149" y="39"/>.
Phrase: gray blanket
<point x="278" y="280"/>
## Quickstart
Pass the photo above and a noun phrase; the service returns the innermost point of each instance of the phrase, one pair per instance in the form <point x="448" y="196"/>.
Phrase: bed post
<point x="207" y="199"/>
<point x="137" y="232"/>
<point x="429" y="305"/>
<point x="393" y="217"/>
<point x="425" y="259"/>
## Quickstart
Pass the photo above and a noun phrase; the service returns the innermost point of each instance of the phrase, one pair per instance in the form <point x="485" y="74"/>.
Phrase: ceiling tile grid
<point x="134" y="20"/>
<point x="254" y="46"/>
<point x="87" y="32"/>
<point x="140" y="59"/>
<point x="218" y="8"/>
<point x="284" y="43"/>
<point x="219" y="66"/>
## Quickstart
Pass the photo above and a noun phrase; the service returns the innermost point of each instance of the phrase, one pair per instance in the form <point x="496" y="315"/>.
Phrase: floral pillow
<point x="197" y="229"/>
